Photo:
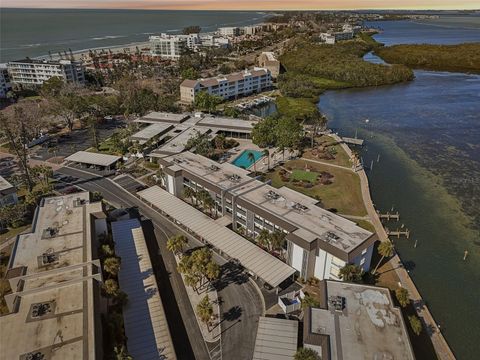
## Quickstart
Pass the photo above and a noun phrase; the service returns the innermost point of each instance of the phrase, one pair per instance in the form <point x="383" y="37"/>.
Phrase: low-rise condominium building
<point x="318" y="242"/>
<point x="54" y="273"/>
<point x="356" y="321"/>
<point x="35" y="72"/>
<point x="228" y="86"/>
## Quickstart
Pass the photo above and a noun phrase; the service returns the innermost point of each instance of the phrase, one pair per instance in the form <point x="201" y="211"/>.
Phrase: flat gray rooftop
<point x="177" y="143"/>
<point x="91" y="158"/>
<point x="151" y="131"/>
<point x="301" y="211"/>
<point x="226" y="123"/>
<point x="69" y="330"/>
<point x="156" y="116"/>
<point x="146" y="326"/>
<point x="225" y="175"/>
<point x="253" y="258"/>
<point x="369" y="327"/>
<point x="276" y="339"/>
<point x="312" y="221"/>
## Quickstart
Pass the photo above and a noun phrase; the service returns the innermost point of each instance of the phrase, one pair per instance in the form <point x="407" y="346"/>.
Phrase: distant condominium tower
<point x="228" y="86"/>
<point x="36" y="72"/>
<point x="173" y="46"/>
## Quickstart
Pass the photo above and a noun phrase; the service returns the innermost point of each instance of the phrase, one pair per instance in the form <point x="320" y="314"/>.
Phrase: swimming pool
<point x="242" y="160"/>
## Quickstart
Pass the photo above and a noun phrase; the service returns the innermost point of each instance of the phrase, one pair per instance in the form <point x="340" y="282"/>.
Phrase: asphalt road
<point x="240" y="302"/>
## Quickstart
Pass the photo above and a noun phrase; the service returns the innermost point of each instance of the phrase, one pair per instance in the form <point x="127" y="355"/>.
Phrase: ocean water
<point x="35" y="32"/>
<point x="427" y="135"/>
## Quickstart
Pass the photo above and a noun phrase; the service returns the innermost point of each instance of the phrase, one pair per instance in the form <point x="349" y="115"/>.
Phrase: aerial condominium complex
<point x="55" y="277"/>
<point x="228" y="86"/>
<point x="36" y="72"/>
<point x="356" y="321"/>
<point x="318" y="242"/>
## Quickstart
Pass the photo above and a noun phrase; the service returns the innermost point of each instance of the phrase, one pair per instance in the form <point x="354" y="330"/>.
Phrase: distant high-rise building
<point x="173" y="46"/>
<point x="36" y="72"/>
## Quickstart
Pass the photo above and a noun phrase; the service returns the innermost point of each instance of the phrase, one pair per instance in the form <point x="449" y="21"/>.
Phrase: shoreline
<point x="440" y="344"/>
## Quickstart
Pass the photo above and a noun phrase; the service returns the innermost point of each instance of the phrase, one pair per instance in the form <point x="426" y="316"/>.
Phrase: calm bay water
<point x="35" y="32"/>
<point x="427" y="133"/>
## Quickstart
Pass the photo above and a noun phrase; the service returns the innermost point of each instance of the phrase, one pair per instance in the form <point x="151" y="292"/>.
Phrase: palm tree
<point x="351" y="272"/>
<point x="205" y="310"/>
<point x="107" y="250"/>
<point x="176" y="243"/>
<point x="209" y="203"/>
<point x="111" y="289"/>
<point x="263" y="238"/>
<point x="266" y="153"/>
<point x="385" y="249"/>
<point x="251" y="158"/>
<point x="112" y="265"/>
<point x="402" y="296"/>
<point x="188" y="193"/>
<point x="212" y="272"/>
<point x="306" y="354"/>
<point x="192" y="280"/>
<point x="276" y="240"/>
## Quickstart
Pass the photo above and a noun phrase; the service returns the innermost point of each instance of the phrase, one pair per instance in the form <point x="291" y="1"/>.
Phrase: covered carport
<point x="96" y="160"/>
<point x="227" y="242"/>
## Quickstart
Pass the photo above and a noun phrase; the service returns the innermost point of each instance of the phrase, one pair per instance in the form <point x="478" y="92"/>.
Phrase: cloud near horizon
<point x="243" y="4"/>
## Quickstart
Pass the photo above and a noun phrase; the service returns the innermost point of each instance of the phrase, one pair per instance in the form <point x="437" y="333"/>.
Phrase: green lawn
<point x="297" y="108"/>
<point x="344" y="194"/>
<point x="304" y="175"/>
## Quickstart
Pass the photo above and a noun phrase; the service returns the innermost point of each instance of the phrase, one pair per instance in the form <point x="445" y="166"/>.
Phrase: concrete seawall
<point x="442" y="349"/>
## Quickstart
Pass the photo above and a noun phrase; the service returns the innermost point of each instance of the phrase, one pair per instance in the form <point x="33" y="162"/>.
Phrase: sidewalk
<point x="441" y="346"/>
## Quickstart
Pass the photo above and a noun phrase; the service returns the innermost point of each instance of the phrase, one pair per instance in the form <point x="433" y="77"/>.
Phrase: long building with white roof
<point x="55" y="279"/>
<point x="318" y="242"/>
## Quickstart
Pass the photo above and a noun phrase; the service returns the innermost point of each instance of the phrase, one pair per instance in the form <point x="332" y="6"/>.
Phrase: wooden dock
<point x="389" y="216"/>
<point x="398" y="233"/>
<point x="353" y="141"/>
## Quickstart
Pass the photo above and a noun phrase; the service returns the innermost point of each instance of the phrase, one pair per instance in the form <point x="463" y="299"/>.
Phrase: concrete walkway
<point x="441" y="346"/>
<point x="329" y="164"/>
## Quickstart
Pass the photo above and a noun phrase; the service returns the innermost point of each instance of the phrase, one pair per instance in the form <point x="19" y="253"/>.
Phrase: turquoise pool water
<point x="242" y="160"/>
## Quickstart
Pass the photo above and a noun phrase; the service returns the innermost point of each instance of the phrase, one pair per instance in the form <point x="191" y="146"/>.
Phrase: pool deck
<point x="262" y="163"/>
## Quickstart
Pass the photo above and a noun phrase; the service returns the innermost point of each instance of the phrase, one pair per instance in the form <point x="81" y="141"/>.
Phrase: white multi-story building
<point x="333" y="37"/>
<point x="252" y="29"/>
<point x="36" y="72"/>
<point x="228" y="86"/>
<point x="214" y="41"/>
<point x="317" y="242"/>
<point x="229" y="31"/>
<point x="173" y="46"/>
<point x="5" y="85"/>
